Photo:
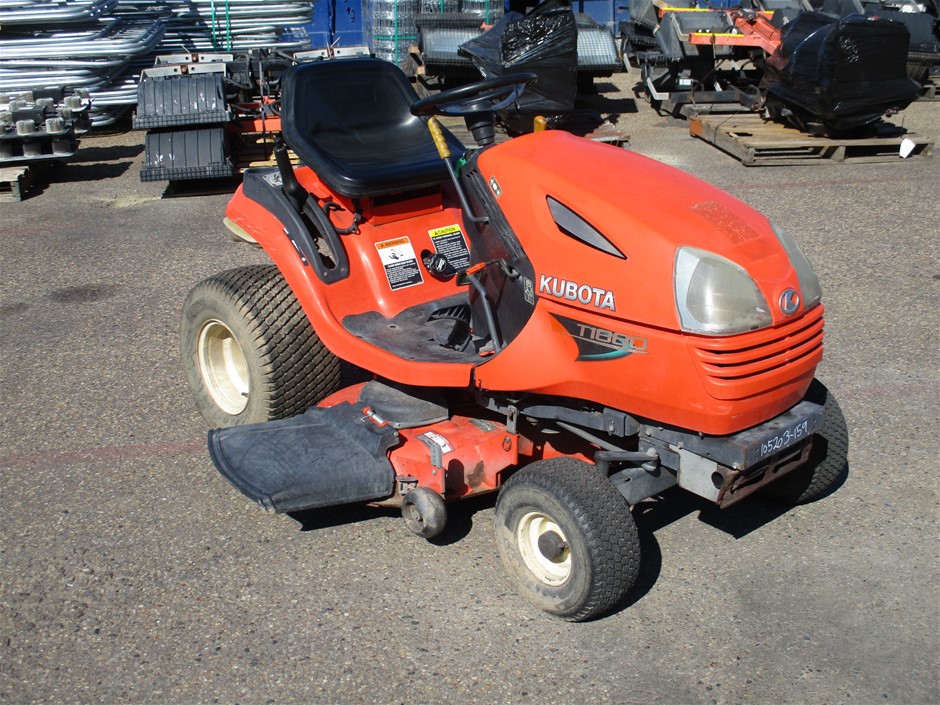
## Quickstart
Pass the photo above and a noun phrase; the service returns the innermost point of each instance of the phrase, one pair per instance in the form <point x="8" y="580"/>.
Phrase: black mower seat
<point x="350" y="121"/>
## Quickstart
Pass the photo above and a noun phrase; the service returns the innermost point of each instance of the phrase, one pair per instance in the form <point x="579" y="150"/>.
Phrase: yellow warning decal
<point x="449" y="241"/>
<point x="392" y="243"/>
<point x="400" y="263"/>
<point x="447" y="230"/>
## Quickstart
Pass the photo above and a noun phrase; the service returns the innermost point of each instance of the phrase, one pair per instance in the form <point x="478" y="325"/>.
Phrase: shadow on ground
<point x="651" y="516"/>
<point x="96" y="163"/>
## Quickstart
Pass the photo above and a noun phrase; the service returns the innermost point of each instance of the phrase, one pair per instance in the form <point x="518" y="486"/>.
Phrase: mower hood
<point x="603" y="227"/>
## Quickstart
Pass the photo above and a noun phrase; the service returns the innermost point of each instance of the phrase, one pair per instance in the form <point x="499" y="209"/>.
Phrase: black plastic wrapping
<point x="844" y="73"/>
<point x="545" y="42"/>
<point x="924" y="48"/>
<point x="923" y="28"/>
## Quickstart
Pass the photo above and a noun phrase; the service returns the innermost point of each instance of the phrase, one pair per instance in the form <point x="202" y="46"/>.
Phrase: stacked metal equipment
<point x="227" y="25"/>
<point x="207" y="115"/>
<point x="194" y="27"/>
<point x="683" y="67"/>
<point x="445" y="23"/>
<point x="183" y="107"/>
<point x="394" y="31"/>
<point x="441" y="34"/>
<point x="41" y="126"/>
<point x="701" y="59"/>
<point x="74" y="44"/>
<point x="102" y="45"/>
<point x="597" y="51"/>
<point x="442" y="26"/>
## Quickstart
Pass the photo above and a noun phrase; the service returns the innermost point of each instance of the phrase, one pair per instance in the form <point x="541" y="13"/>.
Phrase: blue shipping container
<point x="348" y="28"/>
<point x="336" y="22"/>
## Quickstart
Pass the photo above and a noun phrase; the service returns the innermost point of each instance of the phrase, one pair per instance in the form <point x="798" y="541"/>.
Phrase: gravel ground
<point x="133" y="573"/>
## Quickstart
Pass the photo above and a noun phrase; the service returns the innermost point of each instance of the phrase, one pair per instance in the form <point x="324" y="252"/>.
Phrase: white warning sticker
<point x="449" y="241"/>
<point x="401" y="264"/>
<point x="439" y="441"/>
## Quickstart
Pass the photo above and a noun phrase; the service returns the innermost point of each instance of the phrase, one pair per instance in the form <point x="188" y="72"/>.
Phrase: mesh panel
<point x="596" y="48"/>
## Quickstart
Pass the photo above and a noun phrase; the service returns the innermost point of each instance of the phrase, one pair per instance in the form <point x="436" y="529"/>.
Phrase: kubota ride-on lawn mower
<point x="571" y="324"/>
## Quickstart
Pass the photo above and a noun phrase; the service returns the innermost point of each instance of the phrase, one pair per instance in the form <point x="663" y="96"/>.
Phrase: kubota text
<point x="572" y="291"/>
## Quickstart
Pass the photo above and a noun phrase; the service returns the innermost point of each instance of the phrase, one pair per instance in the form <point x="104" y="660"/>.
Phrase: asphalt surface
<point x="133" y="573"/>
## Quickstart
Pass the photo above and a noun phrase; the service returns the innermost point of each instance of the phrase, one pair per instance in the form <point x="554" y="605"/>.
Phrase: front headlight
<point x="809" y="283"/>
<point x="715" y="296"/>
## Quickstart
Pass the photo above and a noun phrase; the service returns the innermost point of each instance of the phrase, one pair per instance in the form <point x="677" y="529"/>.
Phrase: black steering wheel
<point x="487" y="96"/>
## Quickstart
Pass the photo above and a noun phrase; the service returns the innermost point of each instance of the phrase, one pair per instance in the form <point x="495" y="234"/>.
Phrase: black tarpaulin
<point x="545" y="42"/>
<point x="843" y="73"/>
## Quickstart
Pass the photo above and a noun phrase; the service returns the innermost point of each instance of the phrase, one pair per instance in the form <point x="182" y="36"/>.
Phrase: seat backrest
<point x="350" y="121"/>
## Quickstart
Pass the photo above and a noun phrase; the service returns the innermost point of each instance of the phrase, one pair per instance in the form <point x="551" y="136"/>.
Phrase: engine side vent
<point x="577" y="227"/>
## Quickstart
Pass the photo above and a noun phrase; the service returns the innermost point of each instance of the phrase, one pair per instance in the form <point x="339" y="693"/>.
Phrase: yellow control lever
<point x="438" y="136"/>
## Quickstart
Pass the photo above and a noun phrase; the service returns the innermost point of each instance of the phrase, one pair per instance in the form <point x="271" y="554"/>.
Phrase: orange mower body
<point x="571" y="324"/>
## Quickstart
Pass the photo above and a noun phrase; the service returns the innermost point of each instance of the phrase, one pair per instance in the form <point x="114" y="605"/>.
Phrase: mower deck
<point x="324" y="457"/>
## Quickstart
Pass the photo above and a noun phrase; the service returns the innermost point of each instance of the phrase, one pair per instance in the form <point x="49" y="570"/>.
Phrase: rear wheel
<point x="567" y="538"/>
<point x="828" y="460"/>
<point x="249" y="350"/>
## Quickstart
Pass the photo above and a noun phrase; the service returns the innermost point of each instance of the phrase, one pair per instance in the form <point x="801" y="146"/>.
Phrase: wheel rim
<point x="412" y="516"/>
<point x="223" y="367"/>
<point x="553" y="570"/>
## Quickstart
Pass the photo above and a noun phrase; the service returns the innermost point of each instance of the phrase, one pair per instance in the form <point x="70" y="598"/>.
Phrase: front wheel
<point x="249" y="352"/>
<point x="828" y="460"/>
<point x="567" y="538"/>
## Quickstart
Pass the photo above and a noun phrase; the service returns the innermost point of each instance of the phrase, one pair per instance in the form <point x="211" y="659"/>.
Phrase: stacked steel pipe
<point x="102" y="45"/>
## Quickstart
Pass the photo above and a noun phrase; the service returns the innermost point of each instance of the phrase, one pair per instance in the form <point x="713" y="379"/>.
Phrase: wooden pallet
<point x="931" y="92"/>
<point x="749" y="138"/>
<point x="15" y="181"/>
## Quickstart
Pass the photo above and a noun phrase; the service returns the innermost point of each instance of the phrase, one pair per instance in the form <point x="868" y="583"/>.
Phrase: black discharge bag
<point x="543" y="41"/>
<point x="844" y="73"/>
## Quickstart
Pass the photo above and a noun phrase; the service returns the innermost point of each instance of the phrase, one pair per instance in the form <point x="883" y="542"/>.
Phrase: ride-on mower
<point x="574" y="325"/>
